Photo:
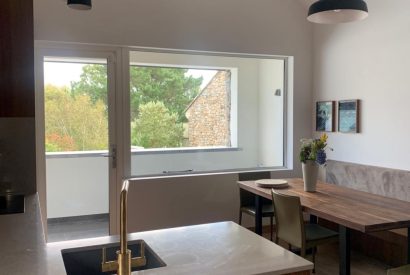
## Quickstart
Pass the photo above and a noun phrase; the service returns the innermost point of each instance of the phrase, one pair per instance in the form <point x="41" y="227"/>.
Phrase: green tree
<point x="93" y="82"/>
<point x="156" y="127"/>
<point x="74" y="122"/>
<point x="169" y="85"/>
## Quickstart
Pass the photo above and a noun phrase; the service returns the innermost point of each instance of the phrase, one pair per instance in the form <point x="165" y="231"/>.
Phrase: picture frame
<point x="325" y="116"/>
<point x="348" y="116"/>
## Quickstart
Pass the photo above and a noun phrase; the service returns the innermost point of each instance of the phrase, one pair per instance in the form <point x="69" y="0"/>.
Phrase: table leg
<point x="344" y="250"/>
<point x="408" y="245"/>
<point x="258" y="215"/>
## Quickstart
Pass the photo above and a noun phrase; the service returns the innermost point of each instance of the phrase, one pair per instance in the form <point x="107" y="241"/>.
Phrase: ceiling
<point x="306" y="3"/>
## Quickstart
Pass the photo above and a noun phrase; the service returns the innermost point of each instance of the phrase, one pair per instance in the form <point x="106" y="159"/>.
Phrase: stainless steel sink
<point x="87" y="260"/>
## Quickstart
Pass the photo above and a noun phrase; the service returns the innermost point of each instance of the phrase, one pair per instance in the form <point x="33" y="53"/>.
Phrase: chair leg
<point x="314" y="259"/>
<point x="271" y="228"/>
<point x="240" y="217"/>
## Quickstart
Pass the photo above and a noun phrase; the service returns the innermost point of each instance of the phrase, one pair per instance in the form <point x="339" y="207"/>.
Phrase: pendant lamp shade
<point x="79" y="4"/>
<point x="337" y="11"/>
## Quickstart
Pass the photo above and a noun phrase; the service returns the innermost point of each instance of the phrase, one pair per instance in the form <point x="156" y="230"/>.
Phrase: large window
<point x="202" y="113"/>
<point x="188" y="113"/>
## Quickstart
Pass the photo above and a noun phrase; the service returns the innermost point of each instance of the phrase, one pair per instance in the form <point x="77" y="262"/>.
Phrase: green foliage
<point x="313" y="149"/>
<point x="50" y="147"/>
<point x="168" y="85"/>
<point x="76" y="118"/>
<point x="147" y="84"/>
<point x="93" y="82"/>
<point x="158" y="98"/>
<point x="73" y="122"/>
<point x="306" y="153"/>
<point x="156" y="127"/>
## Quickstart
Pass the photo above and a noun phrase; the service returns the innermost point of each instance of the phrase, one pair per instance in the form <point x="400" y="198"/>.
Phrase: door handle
<point x="112" y="154"/>
<point x="177" y="172"/>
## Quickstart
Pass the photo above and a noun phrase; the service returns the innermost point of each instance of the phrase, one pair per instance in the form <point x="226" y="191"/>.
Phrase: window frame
<point x="287" y="152"/>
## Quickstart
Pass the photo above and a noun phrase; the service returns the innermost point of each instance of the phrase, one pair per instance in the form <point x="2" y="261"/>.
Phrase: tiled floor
<point x="327" y="262"/>
<point x="72" y="228"/>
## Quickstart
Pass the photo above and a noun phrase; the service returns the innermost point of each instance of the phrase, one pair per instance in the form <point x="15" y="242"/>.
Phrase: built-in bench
<point x="387" y="246"/>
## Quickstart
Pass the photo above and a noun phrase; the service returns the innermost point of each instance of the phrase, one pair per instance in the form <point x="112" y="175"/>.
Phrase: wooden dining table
<point x="349" y="208"/>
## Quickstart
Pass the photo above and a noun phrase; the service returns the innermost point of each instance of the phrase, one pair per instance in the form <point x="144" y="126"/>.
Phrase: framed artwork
<point x="349" y="116"/>
<point x="325" y="116"/>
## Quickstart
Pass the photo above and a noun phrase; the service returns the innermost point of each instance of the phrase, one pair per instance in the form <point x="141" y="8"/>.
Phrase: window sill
<point x="184" y="150"/>
<point x="209" y="173"/>
<point x="104" y="153"/>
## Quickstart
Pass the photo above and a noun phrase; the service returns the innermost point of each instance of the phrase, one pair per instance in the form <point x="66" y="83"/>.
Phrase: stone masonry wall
<point x="209" y="113"/>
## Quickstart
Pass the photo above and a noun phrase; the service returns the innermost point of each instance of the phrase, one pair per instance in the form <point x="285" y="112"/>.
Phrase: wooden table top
<point x="354" y="209"/>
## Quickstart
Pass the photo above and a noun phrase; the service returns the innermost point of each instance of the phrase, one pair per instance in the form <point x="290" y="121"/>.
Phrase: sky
<point x="61" y="74"/>
<point x="206" y="74"/>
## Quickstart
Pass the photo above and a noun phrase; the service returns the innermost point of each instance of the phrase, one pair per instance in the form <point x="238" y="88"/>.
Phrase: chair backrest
<point x="289" y="219"/>
<point x="247" y="198"/>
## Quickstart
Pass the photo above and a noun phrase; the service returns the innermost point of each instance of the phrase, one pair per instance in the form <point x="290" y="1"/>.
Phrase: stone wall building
<point x="209" y="113"/>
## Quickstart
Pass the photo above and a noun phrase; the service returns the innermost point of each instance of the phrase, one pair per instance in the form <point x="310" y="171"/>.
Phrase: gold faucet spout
<point x="123" y="216"/>
<point x="124" y="260"/>
<point x="124" y="255"/>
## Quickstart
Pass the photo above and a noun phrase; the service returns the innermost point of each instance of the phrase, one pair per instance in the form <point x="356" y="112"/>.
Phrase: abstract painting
<point x="325" y="116"/>
<point x="349" y="116"/>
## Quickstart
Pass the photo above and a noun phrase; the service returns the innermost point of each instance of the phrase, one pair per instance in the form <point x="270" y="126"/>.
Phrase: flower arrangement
<point x="314" y="150"/>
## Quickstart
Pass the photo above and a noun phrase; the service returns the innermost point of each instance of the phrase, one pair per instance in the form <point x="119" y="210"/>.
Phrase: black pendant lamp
<point x="337" y="11"/>
<point x="79" y="4"/>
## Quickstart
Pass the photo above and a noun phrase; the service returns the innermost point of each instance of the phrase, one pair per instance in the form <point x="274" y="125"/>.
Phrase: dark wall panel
<point x="16" y="58"/>
<point x="17" y="122"/>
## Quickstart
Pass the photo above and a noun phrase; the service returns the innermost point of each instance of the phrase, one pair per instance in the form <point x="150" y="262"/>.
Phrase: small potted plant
<point x="312" y="155"/>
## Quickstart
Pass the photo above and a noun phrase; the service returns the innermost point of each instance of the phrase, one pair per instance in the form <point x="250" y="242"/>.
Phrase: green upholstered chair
<point x="291" y="228"/>
<point x="403" y="270"/>
<point x="247" y="199"/>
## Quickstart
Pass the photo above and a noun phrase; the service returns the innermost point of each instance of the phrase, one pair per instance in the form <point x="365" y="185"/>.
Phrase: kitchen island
<point x="216" y="248"/>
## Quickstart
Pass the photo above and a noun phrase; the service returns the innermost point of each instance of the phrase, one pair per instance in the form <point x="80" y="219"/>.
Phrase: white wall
<point x="77" y="186"/>
<point x="271" y="78"/>
<point x="274" y="27"/>
<point x="370" y="61"/>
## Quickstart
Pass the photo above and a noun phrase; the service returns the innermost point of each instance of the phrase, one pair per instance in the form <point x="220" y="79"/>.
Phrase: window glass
<point x="202" y="113"/>
<point x="179" y="108"/>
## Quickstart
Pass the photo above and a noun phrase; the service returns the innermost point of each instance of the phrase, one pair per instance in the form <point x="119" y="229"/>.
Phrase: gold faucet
<point x="124" y="261"/>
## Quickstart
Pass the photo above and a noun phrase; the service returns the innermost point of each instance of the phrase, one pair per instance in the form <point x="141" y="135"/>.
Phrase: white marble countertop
<point x="217" y="248"/>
